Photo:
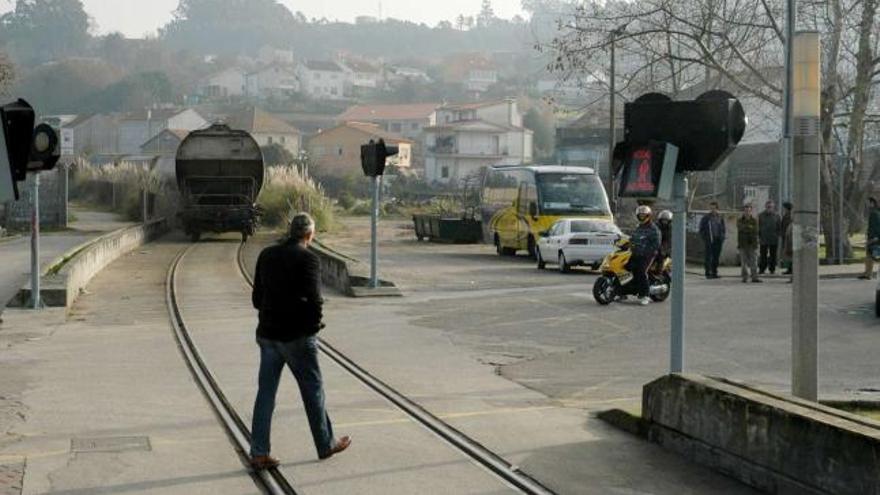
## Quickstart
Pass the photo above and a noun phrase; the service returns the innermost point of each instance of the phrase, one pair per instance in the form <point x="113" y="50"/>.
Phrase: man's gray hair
<point x="301" y="225"/>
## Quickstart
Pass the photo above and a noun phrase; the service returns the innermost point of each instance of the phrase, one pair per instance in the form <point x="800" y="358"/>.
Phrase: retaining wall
<point x="776" y="443"/>
<point x="62" y="282"/>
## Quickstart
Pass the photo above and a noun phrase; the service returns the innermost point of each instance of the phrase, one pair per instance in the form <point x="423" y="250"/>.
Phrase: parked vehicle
<point x="616" y="281"/>
<point x="219" y="174"/>
<point x="576" y="242"/>
<point x="519" y="202"/>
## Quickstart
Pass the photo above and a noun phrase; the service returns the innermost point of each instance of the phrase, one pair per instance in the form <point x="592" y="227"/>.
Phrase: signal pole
<point x="679" y="248"/>
<point x="35" y="245"/>
<point x="374" y="227"/>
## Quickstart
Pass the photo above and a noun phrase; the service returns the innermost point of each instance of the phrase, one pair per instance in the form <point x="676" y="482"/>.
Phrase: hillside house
<point x="137" y="128"/>
<point x="268" y="129"/>
<point x="322" y="79"/>
<point x="275" y="80"/>
<point x="224" y="84"/>
<point x="337" y="151"/>
<point x="467" y="138"/>
<point x="362" y="76"/>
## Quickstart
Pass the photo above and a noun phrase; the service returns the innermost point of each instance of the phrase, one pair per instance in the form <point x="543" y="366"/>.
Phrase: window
<point x="333" y="91"/>
<point x="414" y="126"/>
<point x="396" y="127"/>
<point x="444" y="172"/>
<point x="269" y="140"/>
<point x="283" y="140"/>
<point x="339" y="150"/>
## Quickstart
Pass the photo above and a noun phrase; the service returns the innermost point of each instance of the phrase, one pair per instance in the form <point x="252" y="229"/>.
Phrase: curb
<point x="822" y="276"/>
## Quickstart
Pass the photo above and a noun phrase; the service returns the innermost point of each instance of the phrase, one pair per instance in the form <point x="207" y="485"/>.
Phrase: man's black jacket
<point x="287" y="292"/>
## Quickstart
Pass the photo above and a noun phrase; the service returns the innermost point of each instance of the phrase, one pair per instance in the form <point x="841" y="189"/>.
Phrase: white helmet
<point x="665" y="215"/>
<point x="643" y="210"/>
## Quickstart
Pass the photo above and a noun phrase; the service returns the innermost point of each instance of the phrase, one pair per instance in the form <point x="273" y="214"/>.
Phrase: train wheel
<point x="244" y="237"/>
<point x="195" y="236"/>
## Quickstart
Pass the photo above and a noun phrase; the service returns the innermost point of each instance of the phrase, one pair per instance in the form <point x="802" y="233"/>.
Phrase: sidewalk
<point x="825" y="271"/>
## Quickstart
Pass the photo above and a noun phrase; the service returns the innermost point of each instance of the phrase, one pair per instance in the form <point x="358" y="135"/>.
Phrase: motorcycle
<point x="616" y="282"/>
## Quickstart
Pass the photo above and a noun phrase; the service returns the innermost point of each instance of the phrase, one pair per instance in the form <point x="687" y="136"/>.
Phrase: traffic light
<point x="647" y="169"/>
<point x="23" y="147"/>
<point x="373" y="157"/>
<point x="705" y="130"/>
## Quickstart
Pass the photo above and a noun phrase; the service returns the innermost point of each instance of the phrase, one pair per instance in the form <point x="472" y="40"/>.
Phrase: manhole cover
<point x="109" y="444"/>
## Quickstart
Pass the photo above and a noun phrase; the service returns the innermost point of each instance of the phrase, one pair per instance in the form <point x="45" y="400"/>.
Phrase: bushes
<point x="288" y="190"/>
<point x="120" y="188"/>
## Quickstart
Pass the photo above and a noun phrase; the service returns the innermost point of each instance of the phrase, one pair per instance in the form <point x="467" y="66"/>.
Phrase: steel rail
<point x="477" y="452"/>
<point x="270" y="481"/>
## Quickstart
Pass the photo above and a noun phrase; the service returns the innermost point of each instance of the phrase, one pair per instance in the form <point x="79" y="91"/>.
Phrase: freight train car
<point x="219" y="174"/>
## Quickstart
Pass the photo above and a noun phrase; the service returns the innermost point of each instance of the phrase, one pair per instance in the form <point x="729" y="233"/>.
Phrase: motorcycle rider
<point x="644" y="243"/>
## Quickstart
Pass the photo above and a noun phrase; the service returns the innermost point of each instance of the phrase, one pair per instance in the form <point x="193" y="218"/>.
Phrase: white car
<point x="576" y="241"/>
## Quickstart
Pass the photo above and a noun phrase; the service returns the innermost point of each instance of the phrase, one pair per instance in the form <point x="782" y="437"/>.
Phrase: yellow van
<point x="520" y="202"/>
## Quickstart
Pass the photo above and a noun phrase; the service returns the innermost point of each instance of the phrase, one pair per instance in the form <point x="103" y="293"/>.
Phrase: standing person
<point x="712" y="231"/>
<point x="787" y="250"/>
<point x="747" y="243"/>
<point x="644" y="243"/>
<point x="769" y="232"/>
<point x="287" y="294"/>
<point x="664" y="223"/>
<point x="872" y="238"/>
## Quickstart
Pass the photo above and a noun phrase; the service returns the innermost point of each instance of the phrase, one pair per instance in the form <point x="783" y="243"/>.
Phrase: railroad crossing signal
<point x="373" y="157"/>
<point x="23" y="147"/>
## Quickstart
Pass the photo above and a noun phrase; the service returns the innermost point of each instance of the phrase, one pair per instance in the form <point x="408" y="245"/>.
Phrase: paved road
<point x="546" y="332"/>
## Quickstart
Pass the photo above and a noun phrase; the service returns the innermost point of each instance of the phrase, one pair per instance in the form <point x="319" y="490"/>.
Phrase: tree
<point x="275" y="154"/>
<point x="80" y="79"/>
<point x="674" y="45"/>
<point x="542" y="126"/>
<point x="229" y="26"/>
<point x="38" y="31"/>
<point x="134" y="92"/>
<point x="486" y="17"/>
<point x="7" y="74"/>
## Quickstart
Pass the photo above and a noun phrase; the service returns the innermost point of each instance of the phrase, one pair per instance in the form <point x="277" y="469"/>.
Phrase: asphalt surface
<point x="544" y="330"/>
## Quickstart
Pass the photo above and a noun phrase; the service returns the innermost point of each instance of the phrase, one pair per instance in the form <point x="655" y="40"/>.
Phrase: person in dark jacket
<point x="872" y="238"/>
<point x="712" y="231"/>
<point x="785" y="224"/>
<point x="644" y="243"/>
<point x="664" y="223"/>
<point x="287" y="294"/>
<point x="747" y="243"/>
<point x="769" y="232"/>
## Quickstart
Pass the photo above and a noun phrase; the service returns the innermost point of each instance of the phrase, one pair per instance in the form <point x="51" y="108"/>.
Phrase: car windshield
<point x="562" y="194"/>
<point x="583" y="226"/>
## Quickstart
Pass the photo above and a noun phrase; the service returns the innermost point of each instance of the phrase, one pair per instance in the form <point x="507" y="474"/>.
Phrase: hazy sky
<point x="134" y="18"/>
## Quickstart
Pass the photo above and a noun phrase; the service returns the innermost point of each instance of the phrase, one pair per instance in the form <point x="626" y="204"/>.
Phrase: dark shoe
<point x="760" y="272"/>
<point x="745" y="280"/>
<point x="757" y="281"/>
<point x="341" y="445"/>
<point x="787" y="272"/>
<point x="772" y="272"/>
<point x="864" y="277"/>
<point x="261" y="462"/>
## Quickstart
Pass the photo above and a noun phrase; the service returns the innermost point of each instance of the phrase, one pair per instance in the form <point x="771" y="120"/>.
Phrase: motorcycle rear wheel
<point x="603" y="290"/>
<point x="663" y="279"/>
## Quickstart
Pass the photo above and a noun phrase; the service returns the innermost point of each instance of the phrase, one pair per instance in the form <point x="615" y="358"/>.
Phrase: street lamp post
<point x="805" y="216"/>
<point x="612" y="125"/>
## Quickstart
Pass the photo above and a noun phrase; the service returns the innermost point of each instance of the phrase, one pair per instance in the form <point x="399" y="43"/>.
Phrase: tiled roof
<point x="372" y="130"/>
<point x="388" y="112"/>
<point x="257" y="121"/>
<point x="79" y="120"/>
<point x="361" y="66"/>
<point x="154" y="114"/>
<point x="475" y="105"/>
<point x="323" y="65"/>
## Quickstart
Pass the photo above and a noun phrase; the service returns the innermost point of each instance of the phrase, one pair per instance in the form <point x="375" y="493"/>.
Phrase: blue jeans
<point x="301" y="356"/>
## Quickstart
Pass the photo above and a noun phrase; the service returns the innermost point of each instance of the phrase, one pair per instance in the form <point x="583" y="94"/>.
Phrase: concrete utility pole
<point x="785" y="152"/>
<point x="35" y="245"/>
<point x="679" y="238"/>
<point x="805" y="215"/>
<point x="374" y="226"/>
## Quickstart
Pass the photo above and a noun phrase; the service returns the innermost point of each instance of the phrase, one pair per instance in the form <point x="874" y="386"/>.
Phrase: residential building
<point x="467" y="138"/>
<point x="337" y="151"/>
<point x="472" y="70"/>
<point x="322" y="79"/>
<point x="274" y="80"/>
<point x="228" y="82"/>
<point x="410" y="74"/>
<point x="137" y="128"/>
<point x="268" y="129"/>
<point x="407" y="120"/>
<point x="362" y="76"/>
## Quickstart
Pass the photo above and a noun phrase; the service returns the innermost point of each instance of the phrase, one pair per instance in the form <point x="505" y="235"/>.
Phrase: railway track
<point x="270" y="481"/>
<point x="476" y="452"/>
